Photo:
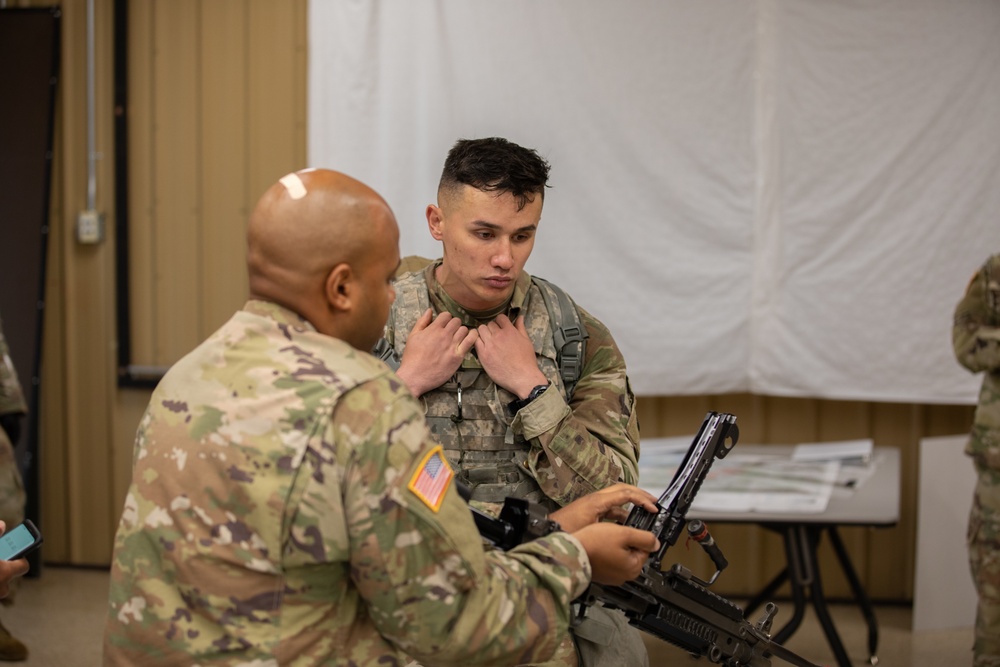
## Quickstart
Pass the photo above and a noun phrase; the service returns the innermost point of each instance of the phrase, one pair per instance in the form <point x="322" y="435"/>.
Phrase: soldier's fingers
<point x="443" y="319"/>
<point x="520" y="325"/>
<point x="621" y="493"/>
<point x="486" y="331"/>
<point x="424" y="320"/>
<point x="641" y="540"/>
<point x="467" y="342"/>
<point x="19" y="567"/>
<point x="617" y="514"/>
<point x="454" y="324"/>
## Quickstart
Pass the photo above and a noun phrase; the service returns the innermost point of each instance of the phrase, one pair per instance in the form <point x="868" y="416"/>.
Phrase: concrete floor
<point x="60" y="616"/>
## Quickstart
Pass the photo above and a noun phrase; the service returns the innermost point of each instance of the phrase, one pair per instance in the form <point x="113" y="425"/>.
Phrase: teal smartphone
<point x="19" y="541"/>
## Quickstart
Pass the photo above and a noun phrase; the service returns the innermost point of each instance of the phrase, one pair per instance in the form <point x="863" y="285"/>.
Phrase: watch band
<point x="519" y="403"/>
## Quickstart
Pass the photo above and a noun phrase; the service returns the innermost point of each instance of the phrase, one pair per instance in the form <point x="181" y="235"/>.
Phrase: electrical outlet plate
<point x="89" y="227"/>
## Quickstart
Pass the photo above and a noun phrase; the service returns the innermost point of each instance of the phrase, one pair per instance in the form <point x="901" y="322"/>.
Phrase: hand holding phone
<point x="19" y="541"/>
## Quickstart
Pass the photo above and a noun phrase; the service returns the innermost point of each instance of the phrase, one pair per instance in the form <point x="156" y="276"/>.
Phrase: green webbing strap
<point x="568" y="334"/>
<point x="384" y="351"/>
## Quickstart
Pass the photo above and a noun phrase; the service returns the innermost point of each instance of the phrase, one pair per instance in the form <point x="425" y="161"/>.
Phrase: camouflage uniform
<point x="12" y="496"/>
<point x="976" y="339"/>
<point x="552" y="451"/>
<point x="279" y="515"/>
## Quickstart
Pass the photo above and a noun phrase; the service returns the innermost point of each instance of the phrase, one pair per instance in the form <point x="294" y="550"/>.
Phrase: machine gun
<point x="673" y="605"/>
<point x="676" y="606"/>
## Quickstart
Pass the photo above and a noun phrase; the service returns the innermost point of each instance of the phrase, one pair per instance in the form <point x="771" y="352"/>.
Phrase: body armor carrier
<point x="468" y="415"/>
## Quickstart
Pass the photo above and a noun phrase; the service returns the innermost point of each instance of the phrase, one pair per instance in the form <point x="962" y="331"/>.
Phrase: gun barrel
<point x="678" y="610"/>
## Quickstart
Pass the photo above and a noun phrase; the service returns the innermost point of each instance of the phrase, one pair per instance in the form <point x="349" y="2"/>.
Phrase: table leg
<point x="766" y="593"/>
<point x="800" y="576"/>
<point x="802" y="572"/>
<point x="859" y="594"/>
<point x="819" y="598"/>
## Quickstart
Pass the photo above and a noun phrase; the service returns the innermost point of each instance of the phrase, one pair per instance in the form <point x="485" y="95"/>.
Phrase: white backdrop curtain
<point x="782" y="197"/>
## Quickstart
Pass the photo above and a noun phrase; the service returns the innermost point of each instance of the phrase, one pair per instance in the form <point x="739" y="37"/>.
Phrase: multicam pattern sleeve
<point x="976" y="341"/>
<point x="11" y="396"/>
<point x="12" y="496"/>
<point x="593" y="441"/>
<point x="428" y="585"/>
<point x="273" y="520"/>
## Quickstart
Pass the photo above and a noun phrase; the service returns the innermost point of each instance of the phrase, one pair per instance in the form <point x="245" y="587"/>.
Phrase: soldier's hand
<point x="508" y="355"/>
<point x="10" y="569"/>
<point x="606" y="504"/>
<point x="434" y="350"/>
<point x="617" y="553"/>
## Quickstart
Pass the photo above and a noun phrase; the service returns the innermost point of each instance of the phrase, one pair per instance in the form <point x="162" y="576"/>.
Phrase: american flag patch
<point x="432" y="478"/>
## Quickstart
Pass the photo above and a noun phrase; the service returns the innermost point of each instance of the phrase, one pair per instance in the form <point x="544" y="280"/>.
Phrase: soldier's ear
<point x="435" y="221"/>
<point x="339" y="287"/>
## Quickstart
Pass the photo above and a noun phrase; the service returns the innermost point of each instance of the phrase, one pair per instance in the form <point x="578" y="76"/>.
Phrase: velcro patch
<point x="432" y="478"/>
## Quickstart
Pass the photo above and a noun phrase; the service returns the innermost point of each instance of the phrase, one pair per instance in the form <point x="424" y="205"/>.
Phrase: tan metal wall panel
<point x="142" y="305"/>
<point x="224" y="110"/>
<point x="276" y="91"/>
<point x="177" y="276"/>
<point x="88" y="315"/>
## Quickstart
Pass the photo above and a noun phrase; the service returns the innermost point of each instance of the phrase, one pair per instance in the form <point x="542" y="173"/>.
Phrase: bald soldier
<point x="288" y="505"/>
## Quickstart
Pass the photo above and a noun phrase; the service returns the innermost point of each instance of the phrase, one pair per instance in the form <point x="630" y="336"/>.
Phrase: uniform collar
<point x="278" y="313"/>
<point x="443" y="302"/>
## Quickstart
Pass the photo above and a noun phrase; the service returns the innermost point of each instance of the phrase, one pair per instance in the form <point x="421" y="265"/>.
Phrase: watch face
<point x="519" y="403"/>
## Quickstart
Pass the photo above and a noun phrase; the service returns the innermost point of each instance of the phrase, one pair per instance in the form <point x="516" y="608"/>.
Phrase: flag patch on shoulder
<point x="431" y="479"/>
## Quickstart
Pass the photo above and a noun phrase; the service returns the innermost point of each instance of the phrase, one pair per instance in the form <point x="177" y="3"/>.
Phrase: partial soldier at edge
<point x="13" y="408"/>
<point x="976" y="341"/>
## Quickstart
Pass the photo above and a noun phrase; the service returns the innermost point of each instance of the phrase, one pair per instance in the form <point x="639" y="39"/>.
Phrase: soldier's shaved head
<point x="310" y="237"/>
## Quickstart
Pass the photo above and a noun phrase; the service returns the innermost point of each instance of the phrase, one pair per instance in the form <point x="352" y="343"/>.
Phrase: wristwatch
<point x="519" y="403"/>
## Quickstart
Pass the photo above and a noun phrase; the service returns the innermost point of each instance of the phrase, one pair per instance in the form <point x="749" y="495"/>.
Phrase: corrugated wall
<point x="217" y="112"/>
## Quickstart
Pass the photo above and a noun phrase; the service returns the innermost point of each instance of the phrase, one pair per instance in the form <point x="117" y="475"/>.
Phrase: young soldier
<point x="520" y="411"/>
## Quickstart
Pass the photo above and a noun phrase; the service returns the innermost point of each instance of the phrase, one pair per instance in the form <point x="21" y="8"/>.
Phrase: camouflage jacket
<point x="976" y="339"/>
<point x="12" y="496"/>
<point x="288" y="507"/>
<point x="571" y="447"/>
<point x="11" y="395"/>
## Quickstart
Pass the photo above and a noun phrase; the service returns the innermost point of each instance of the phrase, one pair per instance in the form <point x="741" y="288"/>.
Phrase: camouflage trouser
<point x="984" y="561"/>
<point x="12" y="497"/>
<point x="603" y="639"/>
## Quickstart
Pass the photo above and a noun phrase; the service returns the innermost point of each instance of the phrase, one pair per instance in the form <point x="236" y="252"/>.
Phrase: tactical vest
<point x="478" y="440"/>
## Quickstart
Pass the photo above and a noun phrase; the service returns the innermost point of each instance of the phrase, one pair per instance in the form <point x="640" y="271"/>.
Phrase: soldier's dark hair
<point x="495" y="165"/>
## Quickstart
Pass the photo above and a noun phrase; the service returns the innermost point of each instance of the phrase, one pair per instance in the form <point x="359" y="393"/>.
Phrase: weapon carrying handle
<point x="698" y="531"/>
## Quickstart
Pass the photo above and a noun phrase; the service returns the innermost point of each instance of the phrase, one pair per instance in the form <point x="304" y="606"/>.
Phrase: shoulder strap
<point x="568" y="333"/>
<point x="411" y="301"/>
<point x="384" y="351"/>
